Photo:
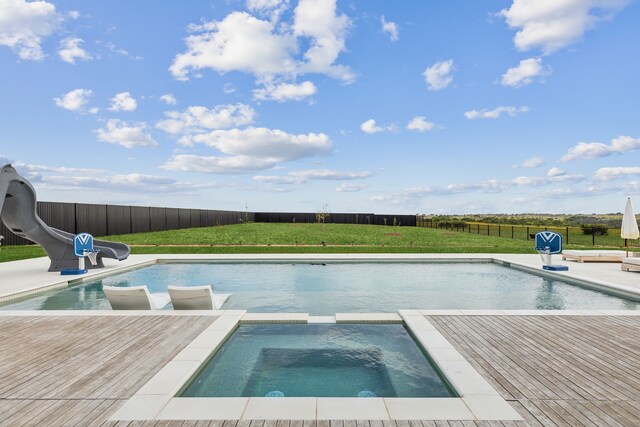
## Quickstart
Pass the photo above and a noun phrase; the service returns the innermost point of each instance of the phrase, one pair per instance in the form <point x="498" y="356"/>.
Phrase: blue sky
<point x="360" y="106"/>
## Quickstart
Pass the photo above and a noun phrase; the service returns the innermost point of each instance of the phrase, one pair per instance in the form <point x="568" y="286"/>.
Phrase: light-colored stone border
<point x="156" y="400"/>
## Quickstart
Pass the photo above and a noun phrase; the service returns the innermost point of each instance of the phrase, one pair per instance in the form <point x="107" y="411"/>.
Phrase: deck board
<point x="554" y="370"/>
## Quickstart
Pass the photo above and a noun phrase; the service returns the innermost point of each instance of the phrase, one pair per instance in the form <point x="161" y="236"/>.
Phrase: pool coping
<point x="156" y="400"/>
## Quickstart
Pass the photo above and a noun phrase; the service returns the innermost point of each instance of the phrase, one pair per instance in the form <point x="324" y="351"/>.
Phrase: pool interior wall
<point x="322" y="360"/>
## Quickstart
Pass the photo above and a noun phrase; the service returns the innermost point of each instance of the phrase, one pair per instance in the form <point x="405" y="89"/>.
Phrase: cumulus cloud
<point x="300" y="177"/>
<point x="552" y="25"/>
<point x="593" y="150"/>
<point x="197" y="119"/>
<point x="438" y="76"/>
<point x="524" y="73"/>
<point x="74" y="100"/>
<point x="495" y="113"/>
<point x="267" y="49"/>
<point x="70" y="50"/>
<point x="554" y="171"/>
<point x="250" y="149"/>
<point x="532" y="162"/>
<point x="168" y="99"/>
<point x="370" y="126"/>
<point x="607" y="174"/>
<point x="127" y="135"/>
<point x="391" y="28"/>
<point x="285" y="91"/>
<point x="420" y="124"/>
<point x="270" y="8"/>
<point x="123" y="102"/>
<point x="24" y="26"/>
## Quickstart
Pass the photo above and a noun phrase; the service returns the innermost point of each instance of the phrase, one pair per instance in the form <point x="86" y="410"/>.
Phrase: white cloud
<point x="607" y="174"/>
<point x="125" y="134"/>
<point x="73" y="14"/>
<point x="168" y="99"/>
<point x="524" y="73"/>
<point x="123" y="102"/>
<point x="74" y="100"/>
<point x="198" y="119"/>
<point x="250" y="149"/>
<point x="552" y="25"/>
<point x="593" y="150"/>
<point x="70" y="50"/>
<point x="300" y="177"/>
<point x="24" y="25"/>
<point x="438" y="76"/>
<point x="420" y="124"/>
<point x="317" y="20"/>
<point x="554" y="171"/>
<point x="495" y="113"/>
<point x="270" y="8"/>
<point x="285" y="91"/>
<point x="391" y="28"/>
<point x="370" y="126"/>
<point x="533" y="162"/>
<point x="350" y="188"/>
<point x="242" y="42"/>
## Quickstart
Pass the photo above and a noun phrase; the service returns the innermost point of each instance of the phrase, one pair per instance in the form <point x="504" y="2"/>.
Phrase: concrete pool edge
<point x="156" y="400"/>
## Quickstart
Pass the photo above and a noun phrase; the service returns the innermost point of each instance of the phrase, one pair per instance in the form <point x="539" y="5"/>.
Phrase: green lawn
<point x="302" y="238"/>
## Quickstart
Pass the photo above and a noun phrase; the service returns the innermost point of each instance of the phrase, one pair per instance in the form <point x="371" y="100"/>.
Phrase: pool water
<point x="326" y="289"/>
<point x="343" y="360"/>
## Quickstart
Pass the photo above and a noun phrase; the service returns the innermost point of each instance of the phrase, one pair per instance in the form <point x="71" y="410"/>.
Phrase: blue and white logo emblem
<point x="549" y="240"/>
<point x="82" y="243"/>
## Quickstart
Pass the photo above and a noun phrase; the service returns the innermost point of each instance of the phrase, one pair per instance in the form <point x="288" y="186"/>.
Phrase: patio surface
<point x="554" y="368"/>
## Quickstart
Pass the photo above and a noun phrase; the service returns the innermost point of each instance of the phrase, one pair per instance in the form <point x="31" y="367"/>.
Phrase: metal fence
<point x="107" y="220"/>
<point x="570" y="235"/>
<point x="338" y="218"/>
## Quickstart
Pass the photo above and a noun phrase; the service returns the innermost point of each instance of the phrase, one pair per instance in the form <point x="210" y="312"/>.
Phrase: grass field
<point x="302" y="238"/>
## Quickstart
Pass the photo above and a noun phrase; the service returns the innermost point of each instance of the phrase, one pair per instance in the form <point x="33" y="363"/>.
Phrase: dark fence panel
<point x="173" y="218"/>
<point x="58" y="215"/>
<point x="140" y="219"/>
<point x="184" y="218"/>
<point x="195" y="218"/>
<point x="91" y="219"/>
<point x="118" y="220"/>
<point x="158" y="219"/>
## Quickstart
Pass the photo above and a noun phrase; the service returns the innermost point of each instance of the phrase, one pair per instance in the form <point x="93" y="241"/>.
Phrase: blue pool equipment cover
<point x="274" y="393"/>
<point x="367" y="393"/>
<point x="18" y="213"/>
<point x="547" y="244"/>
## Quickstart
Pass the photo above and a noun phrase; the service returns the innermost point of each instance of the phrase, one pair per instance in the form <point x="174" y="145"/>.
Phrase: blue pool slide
<point x="18" y="213"/>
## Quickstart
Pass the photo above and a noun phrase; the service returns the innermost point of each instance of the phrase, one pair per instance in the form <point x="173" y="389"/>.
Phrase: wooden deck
<point x="554" y="370"/>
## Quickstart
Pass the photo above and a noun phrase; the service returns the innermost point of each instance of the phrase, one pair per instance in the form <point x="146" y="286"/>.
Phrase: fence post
<point x="488" y="231"/>
<point x="593" y="238"/>
<point x="512" y="231"/>
<point x="478" y="228"/>
<point x="567" y="235"/>
<point x="499" y="231"/>
<point x="527" y="233"/>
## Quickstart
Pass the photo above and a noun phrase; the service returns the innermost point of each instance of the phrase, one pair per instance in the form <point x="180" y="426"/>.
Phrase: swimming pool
<point x="345" y="360"/>
<point x="330" y="287"/>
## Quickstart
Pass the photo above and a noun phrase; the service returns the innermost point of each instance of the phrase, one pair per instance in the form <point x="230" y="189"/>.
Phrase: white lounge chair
<point x="629" y="264"/>
<point x="195" y="298"/>
<point x="134" y="298"/>
<point x="593" y="255"/>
